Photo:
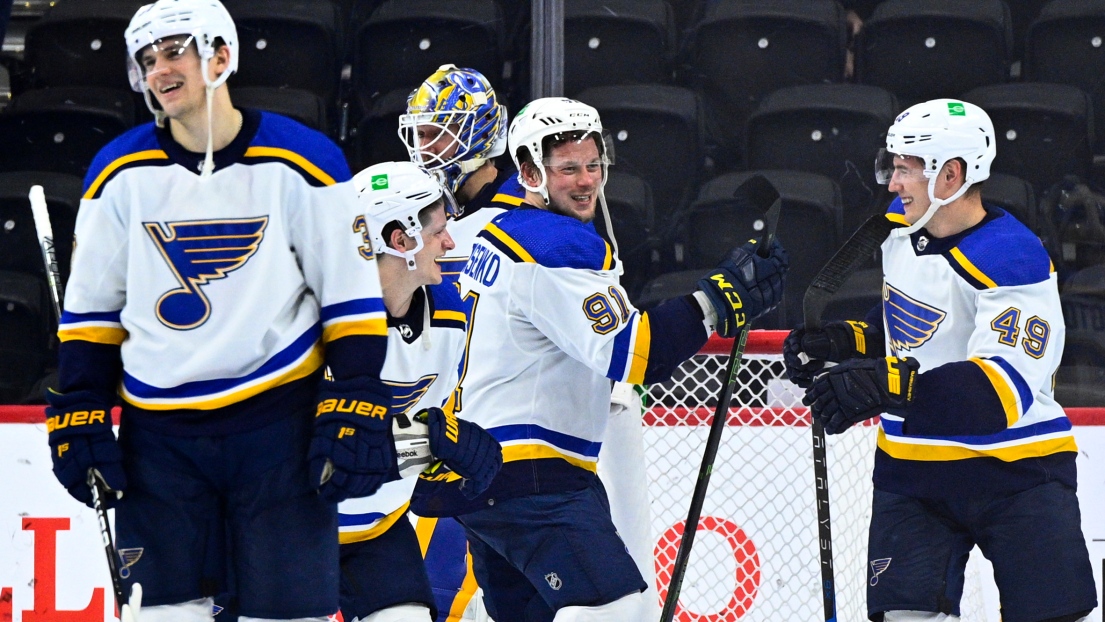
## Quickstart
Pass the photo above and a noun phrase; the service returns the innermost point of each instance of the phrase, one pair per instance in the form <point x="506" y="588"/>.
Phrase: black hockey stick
<point x="759" y="194"/>
<point x="828" y="281"/>
<point x="45" y="232"/>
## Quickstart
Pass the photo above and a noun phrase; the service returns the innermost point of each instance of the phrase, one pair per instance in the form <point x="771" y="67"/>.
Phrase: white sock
<point x="621" y="610"/>
<point x="918" y="616"/>
<point x="192" y="611"/>
<point x="408" y="612"/>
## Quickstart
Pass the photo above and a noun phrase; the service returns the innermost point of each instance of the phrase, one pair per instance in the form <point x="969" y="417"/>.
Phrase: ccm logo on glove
<point x="368" y="409"/>
<point x="731" y="295"/>
<point x="74" y="419"/>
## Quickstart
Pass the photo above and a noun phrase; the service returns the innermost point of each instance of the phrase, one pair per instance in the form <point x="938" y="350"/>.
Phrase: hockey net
<point x="756" y="553"/>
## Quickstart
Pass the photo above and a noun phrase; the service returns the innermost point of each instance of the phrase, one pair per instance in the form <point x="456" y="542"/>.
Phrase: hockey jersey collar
<point x="924" y="243"/>
<point x="230" y="154"/>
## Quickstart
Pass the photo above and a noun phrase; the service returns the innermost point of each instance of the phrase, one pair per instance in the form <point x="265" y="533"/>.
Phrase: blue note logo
<point x="909" y="322"/>
<point x="198" y="252"/>
<point x="128" y="558"/>
<point x="878" y="566"/>
<point x="404" y="395"/>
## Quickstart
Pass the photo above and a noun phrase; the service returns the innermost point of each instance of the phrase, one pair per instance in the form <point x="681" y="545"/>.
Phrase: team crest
<point x="128" y="558"/>
<point x="909" y="322"/>
<point x="878" y="566"/>
<point x="554" y="581"/>
<point x="404" y="395"/>
<point x="198" y="252"/>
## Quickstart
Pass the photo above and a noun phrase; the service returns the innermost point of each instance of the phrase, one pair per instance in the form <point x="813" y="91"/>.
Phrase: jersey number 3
<point x="1037" y="331"/>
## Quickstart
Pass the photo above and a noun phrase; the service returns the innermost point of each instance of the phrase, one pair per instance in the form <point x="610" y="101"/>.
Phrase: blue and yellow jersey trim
<point x="446" y="307"/>
<point x="629" y="359"/>
<point x="363" y="317"/>
<point x="1016" y="397"/>
<point x="308" y="152"/>
<point x="360" y="527"/>
<point x="314" y="175"/>
<point x="982" y="257"/>
<point x="148" y="157"/>
<point x="895" y="212"/>
<point x="1031" y="441"/>
<point x="298" y="360"/>
<point x="549" y="239"/>
<point x="104" y="328"/>
<point x="533" y="442"/>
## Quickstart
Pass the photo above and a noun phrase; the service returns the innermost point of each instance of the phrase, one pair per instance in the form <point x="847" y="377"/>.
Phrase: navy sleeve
<point x="356" y="355"/>
<point x="678" y="333"/>
<point x="89" y="366"/>
<point x="956" y="399"/>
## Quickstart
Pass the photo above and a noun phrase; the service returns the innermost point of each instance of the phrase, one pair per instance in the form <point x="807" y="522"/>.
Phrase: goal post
<point x="756" y="553"/>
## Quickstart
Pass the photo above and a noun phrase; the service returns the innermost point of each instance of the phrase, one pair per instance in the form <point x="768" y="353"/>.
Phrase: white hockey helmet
<point x="202" y="20"/>
<point x="549" y="116"/>
<point x="396" y="192"/>
<point x="937" y="131"/>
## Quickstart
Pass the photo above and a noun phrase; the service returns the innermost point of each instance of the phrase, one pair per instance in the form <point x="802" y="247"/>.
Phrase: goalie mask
<point x="935" y="132"/>
<point x="460" y="108"/>
<point x="396" y="192"/>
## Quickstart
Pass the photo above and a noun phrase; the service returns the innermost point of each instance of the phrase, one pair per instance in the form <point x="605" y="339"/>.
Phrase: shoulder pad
<point x="1001" y="253"/>
<point x="551" y="240"/>
<point x="309" y="152"/>
<point x="137" y="146"/>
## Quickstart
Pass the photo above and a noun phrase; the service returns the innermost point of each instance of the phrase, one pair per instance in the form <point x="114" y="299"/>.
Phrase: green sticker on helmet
<point x="957" y="109"/>
<point x="379" y="182"/>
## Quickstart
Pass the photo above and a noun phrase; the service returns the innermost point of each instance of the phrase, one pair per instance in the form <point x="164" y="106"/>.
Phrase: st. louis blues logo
<point x="910" y="322"/>
<point x="878" y="566"/>
<point x="404" y="395"/>
<point x="128" y="558"/>
<point x="197" y="252"/>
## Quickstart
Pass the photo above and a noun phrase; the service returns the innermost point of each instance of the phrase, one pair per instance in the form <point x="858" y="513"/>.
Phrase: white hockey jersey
<point x="985" y="299"/>
<point x="220" y="289"/>
<point x="421" y="368"/>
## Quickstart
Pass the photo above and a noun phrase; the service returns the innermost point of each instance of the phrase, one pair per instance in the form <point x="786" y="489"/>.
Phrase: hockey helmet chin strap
<point x="934" y="204"/>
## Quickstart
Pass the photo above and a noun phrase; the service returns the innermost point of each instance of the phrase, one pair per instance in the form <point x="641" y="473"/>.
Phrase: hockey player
<point x="551" y="327"/>
<point x="405" y="216"/>
<point x="222" y="263"/>
<point x="972" y="447"/>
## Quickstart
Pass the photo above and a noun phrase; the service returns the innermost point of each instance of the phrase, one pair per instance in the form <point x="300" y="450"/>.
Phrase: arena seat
<point x="19" y="249"/>
<point x="26" y="330"/>
<point x="617" y="42"/>
<point x="1044" y="131"/>
<point x="835" y="130"/>
<point x="61" y="129"/>
<point x="809" y="227"/>
<point x="377" y="135"/>
<point x="629" y="199"/>
<point x="81" y="43"/>
<point x="1013" y="195"/>
<point x="1065" y="45"/>
<point x="741" y="50"/>
<point x="657" y="136"/>
<point x="403" y="41"/>
<point x="928" y="49"/>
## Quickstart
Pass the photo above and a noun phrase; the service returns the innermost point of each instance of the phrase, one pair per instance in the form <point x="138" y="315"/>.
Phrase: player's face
<point x="908" y="180"/>
<point x="436" y="241"/>
<point x="574" y="175"/>
<point x="437" y="143"/>
<point x="174" y="73"/>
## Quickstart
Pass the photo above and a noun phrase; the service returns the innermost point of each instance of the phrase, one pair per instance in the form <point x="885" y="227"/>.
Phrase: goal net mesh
<point x="756" y="552"/>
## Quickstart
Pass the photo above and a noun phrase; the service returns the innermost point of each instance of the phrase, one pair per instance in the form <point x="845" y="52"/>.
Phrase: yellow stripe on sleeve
<point x="971" y="268"/>
<point x="111" y="336"/>
<point x="385" y="523"/>
<point x="446" y="314"/>
<point x="151" y="154"/>
<point x="337" y="330"/>
<point x="1005" y="392"/>
<point x="509" y="241"/>
<point x="638" y="358"/>
<point x="294" y="158"/>
<point x="946" y="453"/>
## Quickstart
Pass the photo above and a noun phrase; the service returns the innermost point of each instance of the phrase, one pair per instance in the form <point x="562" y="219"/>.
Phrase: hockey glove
<point x="859" y="389"/>
<point x="412" y="445"/>
<point x="745" y="286"/>
<point x="835" y="341"/>
<point x="81" y="438"/>
<point x="466" y="448"/>
<point x="352" y="453"/>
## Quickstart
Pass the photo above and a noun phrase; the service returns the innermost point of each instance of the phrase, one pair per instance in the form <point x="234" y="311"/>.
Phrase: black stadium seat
<point x="1013" y="195"/>
<point x="1044" y="131"/>
<point x="617" y="42"/>
<point x="629" y="199"/>
<point x="19" y="250"/>
<point x="835" y="130"/>
<point x="404" y="41"/>
<point x="377" y="136"/>
<point x="1067" y="45"/>
<point x="288" y="44"/>
<point x="809" y="227"/>
<point x="927" y="49"/>
<point x="741" y="50"/>
<point x="62" y="129"/>
<point x="26" y="329"/>
<point x="656" y="134"/>
<point x="81" y="43"/>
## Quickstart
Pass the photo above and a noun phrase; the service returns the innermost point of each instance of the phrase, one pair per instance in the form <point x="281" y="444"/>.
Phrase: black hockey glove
<point x="81" y="438"/>
<point x="835" y="341"/>
<point x="466" y="448"/>
<point x="745" y="286"/>
<point x="859" y="389"/>
<point x="352" y="453"/>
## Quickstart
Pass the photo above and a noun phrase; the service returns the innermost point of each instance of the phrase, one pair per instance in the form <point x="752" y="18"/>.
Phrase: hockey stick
<point x="758" y="193"/>
<point x="828" y="281"/>
<point x="45" y="233"/>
